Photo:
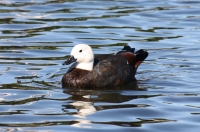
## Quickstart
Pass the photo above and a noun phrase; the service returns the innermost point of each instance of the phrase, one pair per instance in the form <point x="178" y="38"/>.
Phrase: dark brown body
<point x="109" y="70"/>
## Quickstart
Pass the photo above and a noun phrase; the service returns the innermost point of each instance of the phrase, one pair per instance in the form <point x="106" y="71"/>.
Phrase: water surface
<point x="37" y="36"/>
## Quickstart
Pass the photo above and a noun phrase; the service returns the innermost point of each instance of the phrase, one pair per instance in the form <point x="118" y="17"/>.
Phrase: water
<point x="37" y="36"/>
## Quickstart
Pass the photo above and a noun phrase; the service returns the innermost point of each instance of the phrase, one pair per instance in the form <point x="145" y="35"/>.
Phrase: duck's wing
<point x="100" y="57"/>
<point x="111" y="71"/>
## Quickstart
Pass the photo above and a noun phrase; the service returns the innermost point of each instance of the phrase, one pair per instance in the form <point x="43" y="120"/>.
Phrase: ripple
<point x="37" y="36"/>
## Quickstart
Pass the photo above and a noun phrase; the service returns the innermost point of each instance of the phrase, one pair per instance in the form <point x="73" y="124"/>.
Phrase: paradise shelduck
<point x="101" y="70"/>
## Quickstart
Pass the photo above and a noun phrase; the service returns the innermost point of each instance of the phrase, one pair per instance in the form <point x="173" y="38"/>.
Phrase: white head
<point x="84" y="56"/>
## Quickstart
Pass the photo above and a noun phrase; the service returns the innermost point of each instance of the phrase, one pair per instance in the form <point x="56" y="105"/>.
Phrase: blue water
<point x="37" y="36"/>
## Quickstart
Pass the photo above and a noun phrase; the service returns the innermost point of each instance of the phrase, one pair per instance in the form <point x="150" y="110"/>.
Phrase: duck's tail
<point x="140" y="56"/>
<point x="134" y="58"/>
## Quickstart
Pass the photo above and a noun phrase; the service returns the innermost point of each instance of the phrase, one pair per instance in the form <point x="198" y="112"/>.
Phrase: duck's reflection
<point x="83" y="101"/>
<point x="84" y="109"/>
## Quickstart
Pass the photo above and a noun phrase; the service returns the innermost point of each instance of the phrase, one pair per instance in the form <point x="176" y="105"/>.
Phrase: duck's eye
<point x="80" y="50"/>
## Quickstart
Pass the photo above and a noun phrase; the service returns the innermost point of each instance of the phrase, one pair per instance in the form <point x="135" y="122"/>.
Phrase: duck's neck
<point x="85" y="66"/>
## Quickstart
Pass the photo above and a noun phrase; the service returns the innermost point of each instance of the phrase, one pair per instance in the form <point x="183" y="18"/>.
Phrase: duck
<point x="101" y="70"/>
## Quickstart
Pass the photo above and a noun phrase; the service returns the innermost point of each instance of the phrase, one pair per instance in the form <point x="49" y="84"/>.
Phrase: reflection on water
<point x="37" y="36"/>
<point x="91" y="103"/>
